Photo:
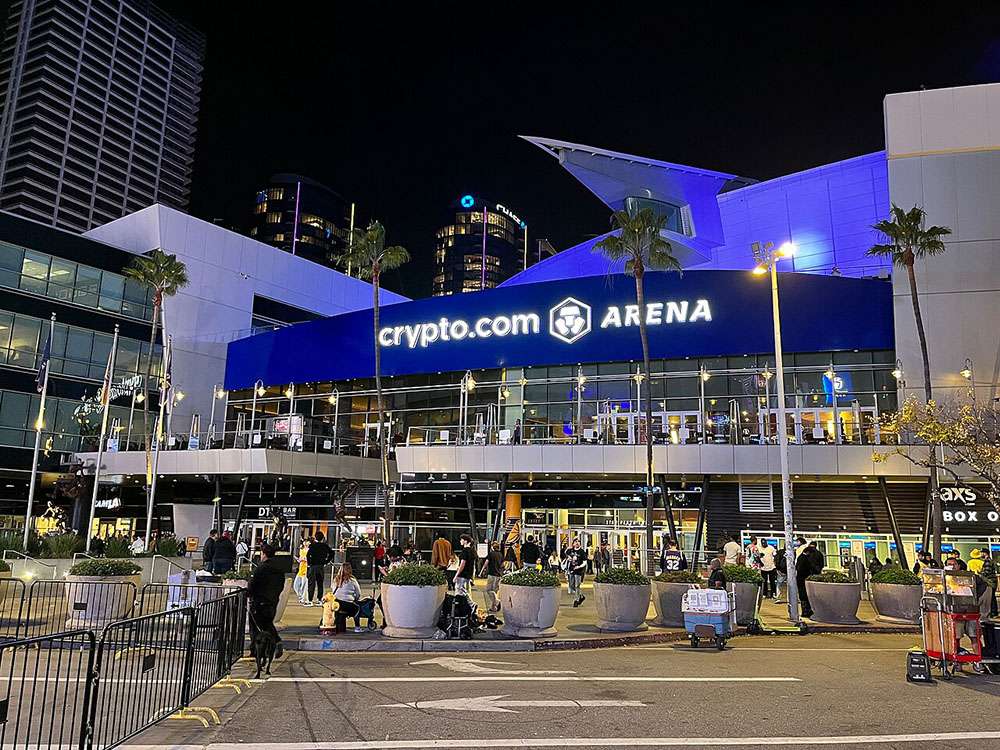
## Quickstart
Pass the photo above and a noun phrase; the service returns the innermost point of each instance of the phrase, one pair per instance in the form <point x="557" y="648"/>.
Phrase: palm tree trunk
<point x="936" y="520"/>
<point x="149" y="369"/>
<point x="640" y="298"/>
<point x="382" y="441"/>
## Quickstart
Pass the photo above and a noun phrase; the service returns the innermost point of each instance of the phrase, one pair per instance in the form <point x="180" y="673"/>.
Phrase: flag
<point x="43" y="366"/>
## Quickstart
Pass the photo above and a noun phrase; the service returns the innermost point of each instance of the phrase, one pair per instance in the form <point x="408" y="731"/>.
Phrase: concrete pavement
<point x="836" y="690"/>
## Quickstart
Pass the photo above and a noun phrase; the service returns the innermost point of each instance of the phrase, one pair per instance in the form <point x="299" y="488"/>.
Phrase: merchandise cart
<point x="709" y="614"/>
<point x="949" y="610"/>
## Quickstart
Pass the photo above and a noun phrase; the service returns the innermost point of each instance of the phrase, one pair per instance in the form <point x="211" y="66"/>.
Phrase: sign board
<point x="193" y="442"/>
<point x="108" y="503"/>
<point x="268" y="511"/>
<point x="591" y="319"/>
<point x="191" y="543"/>
<point x="112" y="446"/>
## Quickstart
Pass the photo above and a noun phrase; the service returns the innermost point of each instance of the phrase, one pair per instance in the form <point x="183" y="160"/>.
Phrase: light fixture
<point x="289" y="392"/>
<point x="581" y="380"/>
<point x="830" y="373"/>
<point x="523" y="381"/>
<point x="787" y="249"/>
<point x="704" y="373"/>
<point x="966" y="371"/>
<point x="332" y="398"/>
<point x="260" y="389"/>
<point x="179" y="396"/>
<point x="505" y="393"/>
<point x="638" y="377"/>
<point x="766" y="373"/>
<point x="220" y="393"/>
<point x="898" y="371"/>
<point x="759" y="270"/>
<point x="140" y="397"/>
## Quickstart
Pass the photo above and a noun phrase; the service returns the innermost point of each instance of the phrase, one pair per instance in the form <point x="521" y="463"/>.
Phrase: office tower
<point x="100" y="108"/>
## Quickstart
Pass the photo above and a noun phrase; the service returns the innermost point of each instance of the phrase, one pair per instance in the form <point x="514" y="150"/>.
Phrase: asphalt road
<point x="831" y="690"/>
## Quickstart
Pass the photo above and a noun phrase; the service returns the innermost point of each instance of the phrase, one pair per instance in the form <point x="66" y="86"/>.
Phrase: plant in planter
<point x="834" y="598"/>
<point x="100" y="591"/>
<point x="412" y="595"/>
<point x="117" y="547"/>
<point x="530" y="601"/>
<point x="896" y="595"/>
<point x="745" y="583"/>
<point x="668" y="590"/>
<point x="62" y="546"/>
<point x="621" y="597"/>
<point x="168" y="546"/>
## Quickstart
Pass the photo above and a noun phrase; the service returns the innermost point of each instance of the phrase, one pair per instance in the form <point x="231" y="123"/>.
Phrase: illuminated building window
<point x="274" y="217"/>
<point x="260" y="208"/>
<point x="275" y="194"/>
<point x="279" y="237"/>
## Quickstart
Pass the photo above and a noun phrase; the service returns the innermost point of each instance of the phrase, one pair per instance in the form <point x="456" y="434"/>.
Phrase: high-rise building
<point x="485" y="244"/>
<point x="100" y="107"/>
<point x="302" y="217"/>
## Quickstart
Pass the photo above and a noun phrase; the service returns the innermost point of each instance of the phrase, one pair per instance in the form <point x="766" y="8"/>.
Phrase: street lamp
<point x="334" y="400"/>
<point x="767" y="261"/>
<point x="897" y="371"/>
<point x="219" y="393"/>
<point x="258" y="390"/>
<point x="703" y="376"/>
<point x="966" y="371"/>
<point x="766" y="428"/>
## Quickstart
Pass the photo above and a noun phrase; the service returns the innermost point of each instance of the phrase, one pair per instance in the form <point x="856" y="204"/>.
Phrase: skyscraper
<point x="485" y="244"/>
<point x="100" y="108"/>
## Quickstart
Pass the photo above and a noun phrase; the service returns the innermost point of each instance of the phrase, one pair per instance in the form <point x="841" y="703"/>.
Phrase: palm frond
<point x="907" y="237"/>
<point x="637" y="240"/>
<point x="367" y="254"/>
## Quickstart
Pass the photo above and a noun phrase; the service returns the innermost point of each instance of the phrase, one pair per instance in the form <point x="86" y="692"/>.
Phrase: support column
<point x="699" y="528"/>
<point x="512" y="513"/>
<point x="892" y="523"/>
<point x="471" y="506"/>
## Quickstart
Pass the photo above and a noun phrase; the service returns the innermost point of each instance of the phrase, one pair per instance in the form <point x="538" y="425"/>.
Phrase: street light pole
<point x="767" y="259"/>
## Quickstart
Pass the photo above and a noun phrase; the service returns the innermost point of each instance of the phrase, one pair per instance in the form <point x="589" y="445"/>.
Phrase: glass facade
<point x="18" y="412"/>
<point x="73" y="283"/>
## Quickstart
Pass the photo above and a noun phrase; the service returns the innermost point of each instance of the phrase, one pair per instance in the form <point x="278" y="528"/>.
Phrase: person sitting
<point x="347" y="593"/>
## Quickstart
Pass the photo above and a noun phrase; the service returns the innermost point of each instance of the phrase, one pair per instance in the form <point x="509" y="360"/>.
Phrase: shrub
<point x="622" y="576"/>
<point x="538" y="578"/>
<point x="168" y="546"/>
<point x="116" y="546"/>
<point x="896" y="575"/>
<point x="678" y="576"/>
<point x="4" y="567"/>
<point x="415" y="574"/>
<point x="829" y="576"/>
<point x="742" y="574"/>
<point x="104" y="567"/>
<point x="243" y="574"/>
<point x="62" y="546"/>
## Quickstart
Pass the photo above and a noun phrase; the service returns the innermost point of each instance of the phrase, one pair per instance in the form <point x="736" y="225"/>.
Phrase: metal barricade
<point x="56" y="606"/>
<point x="217" y="641"/>
<point x="12" y="591"/>
<point x="142" y="675"/>
<point x="160" y="597"/>
<point x="48" y="691"/>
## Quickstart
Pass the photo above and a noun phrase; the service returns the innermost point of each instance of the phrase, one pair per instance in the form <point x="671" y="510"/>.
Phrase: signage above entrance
<point x="585" y="320"/>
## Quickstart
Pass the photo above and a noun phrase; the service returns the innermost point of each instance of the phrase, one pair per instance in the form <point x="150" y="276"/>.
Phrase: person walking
<point x="510" y="562"/>
<point x="531" y="553"/>
<point x="208" y="551"/>
<point x="466" y="565"/>
<point x="264" y="590"/>
<point x="781" y="565"/>
<point x="138" y="546"/>
<point x="602" y="558"/>
<point x="347" y="594"/>
<point x="576" y="569"/>
<point x="768" y="569"/>
<point x="318" y="555"/>
<point x="301" y="583"/>
<point x="810" y="562"/>
<point x="494" y="572"/>
<point x="441" y="553"/>
<point x="224" y="556"/>
<point x="733" y="550"/>
<point x="751" y="555"/>
<point x="378" y="560"/>
<point x="554" y="562"/>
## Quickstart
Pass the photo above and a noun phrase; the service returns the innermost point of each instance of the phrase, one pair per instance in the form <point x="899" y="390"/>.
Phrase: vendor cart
<point x="709" y="614"/>
<point x="949" y="610"/>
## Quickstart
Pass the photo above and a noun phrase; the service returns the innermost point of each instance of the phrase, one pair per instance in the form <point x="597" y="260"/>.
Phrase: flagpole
<point x="39" y="424"/>
<point x="158" y="428"/>
<point x="109" y="375"/>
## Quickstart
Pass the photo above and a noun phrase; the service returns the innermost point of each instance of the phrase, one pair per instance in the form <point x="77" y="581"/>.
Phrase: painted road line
<point x="481" y="666"/>
<point x="383" y="744"/>
<point x="526" y="678"/>
<point x="685" y="649"/>
<point x="500" y="704"/>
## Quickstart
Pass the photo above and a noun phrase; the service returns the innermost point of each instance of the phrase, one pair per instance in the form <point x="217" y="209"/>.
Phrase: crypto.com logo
<point x="569" y="321"/>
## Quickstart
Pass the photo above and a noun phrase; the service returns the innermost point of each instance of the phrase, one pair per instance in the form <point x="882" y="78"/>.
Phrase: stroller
<point x="458" y="617"/>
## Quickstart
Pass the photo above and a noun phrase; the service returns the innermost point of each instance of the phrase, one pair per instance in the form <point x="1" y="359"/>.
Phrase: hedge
<point x="678" y="576"/>
<point x="896" y="575"/>
<point x="742" y="574"/>
<point x="830" y="576"/>
<point x="622" y="577"/>
<point x="415" y="574"/>
<point x="103" y="567"/>
<point x="536" y="578"/>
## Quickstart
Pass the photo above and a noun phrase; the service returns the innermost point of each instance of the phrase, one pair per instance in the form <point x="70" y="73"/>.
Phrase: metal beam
<point x="892" y="523"/>
<point x="699" y="527"/>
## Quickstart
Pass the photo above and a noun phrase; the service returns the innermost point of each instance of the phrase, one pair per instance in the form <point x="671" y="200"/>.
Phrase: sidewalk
<point x="300" y="630"/>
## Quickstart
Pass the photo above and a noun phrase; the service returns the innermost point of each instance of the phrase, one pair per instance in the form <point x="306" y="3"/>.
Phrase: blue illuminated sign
<point x="869" y="545"/>
<point x="588" y="320"/>
<point x="468" y="201"/>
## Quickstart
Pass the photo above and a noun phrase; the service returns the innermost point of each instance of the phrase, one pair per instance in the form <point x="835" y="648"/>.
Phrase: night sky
<point x="402" y="107"/>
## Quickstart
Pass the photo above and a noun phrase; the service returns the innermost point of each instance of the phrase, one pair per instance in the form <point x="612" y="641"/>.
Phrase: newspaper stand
<point x="709" y="614"/>
<point x="949" y="609"/>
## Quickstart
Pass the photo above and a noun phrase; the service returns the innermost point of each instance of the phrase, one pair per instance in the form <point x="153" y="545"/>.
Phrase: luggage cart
<point x="949" y="610"/>
<point x="709" y="614"/>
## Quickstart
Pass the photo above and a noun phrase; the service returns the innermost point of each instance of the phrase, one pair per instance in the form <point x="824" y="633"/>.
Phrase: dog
<point x="262" y="647"/>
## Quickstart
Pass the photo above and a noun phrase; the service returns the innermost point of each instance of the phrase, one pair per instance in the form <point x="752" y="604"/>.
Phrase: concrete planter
<point x="621" y="607"/>
<point x="667" y="603"/>
<point x="58" y="568"/>
<point x="835" y="603"/>
<point x="897" y="602"/>
<point x="746" y="601"/>
<point x="93" y="602"/>
<point x="411" y="611"/>
<point x="529" y="611"/>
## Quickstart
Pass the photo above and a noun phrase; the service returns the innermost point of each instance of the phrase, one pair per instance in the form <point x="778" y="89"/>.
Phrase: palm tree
<point x="638" y="241"/>
<point x="166" y="275"/>
<point x="366" y="252"/>
<point x="909" y="240"/>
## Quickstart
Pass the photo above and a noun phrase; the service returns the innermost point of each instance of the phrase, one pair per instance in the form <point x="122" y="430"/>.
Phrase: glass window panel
<point x="62" y="277"/>
<point x="112" y="290"/>
<point x="99" y="355"/>
<point x="24" y="341"/>
<point x="88" y="286"/>
<point x="10" y="265"/>
<point x="58" y="352"/>
<point x="687" y="387"/>
<point x="127" y="359"/>
<point x="79" y="344"/>
<point x="6" y="324"/>
<point x="616" y="390"/>
<point x="35" y="272"/>
<point x="135" y="299"/>
<point x="13" y="417"/>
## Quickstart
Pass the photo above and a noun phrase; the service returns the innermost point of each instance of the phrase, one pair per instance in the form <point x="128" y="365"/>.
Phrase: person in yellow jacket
<point x="976" y="561"/>
<point x="301" y="583"/>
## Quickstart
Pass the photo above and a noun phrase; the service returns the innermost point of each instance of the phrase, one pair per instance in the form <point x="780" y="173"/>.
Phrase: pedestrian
<point x="138" y="546"/>
<point x="810" y="562"/>
<point x="441" y="553"/>
<point x="576" y="568"/>
<point x="301" y="583"/>
<point x="733" y="550"/>
<point x="510" y="561"/>
<point x="553" y="561"/>
<point x="768" y="569"/>
<point x="874" y="565"/>
<point x="318" y="555"/>
<point x="781" y="564"/>
<point x="751" y="555"/>
<point x="225" y="554"/>
<point x="925" y="560"/>
<point x="989" y="574"/>
<point x="208" y="551"/>
<point x="717" y="571"/>
<point x="347" y="594"/>
<point x="602" y="557"/>
<point x="264" y="589"/>
<point x="494" y="572"/>
<point x="242" y="549"/>
<point x="531" y="553"/>
<point x="672" y="559"/>
<point x="955" y="561"/>
<point x="517" y="432"/>
<point x="378" y="559"/>
<point x="466" y="568"/>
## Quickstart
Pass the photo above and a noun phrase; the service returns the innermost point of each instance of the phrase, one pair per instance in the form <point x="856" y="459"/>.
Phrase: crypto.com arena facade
<point x="525" y="400"/>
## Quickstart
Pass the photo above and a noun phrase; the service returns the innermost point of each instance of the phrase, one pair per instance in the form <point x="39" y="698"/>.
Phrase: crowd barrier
<point x="90" y="689"/>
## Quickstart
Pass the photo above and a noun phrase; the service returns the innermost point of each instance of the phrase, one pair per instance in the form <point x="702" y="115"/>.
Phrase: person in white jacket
<point x="347" y="592"/>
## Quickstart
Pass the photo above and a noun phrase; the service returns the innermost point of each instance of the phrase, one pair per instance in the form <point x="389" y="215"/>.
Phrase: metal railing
<point x="53" y="606"/>
<point x="170" y="564"/>
<point x="161" y="597"/>
<point x="29" y="558"/>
